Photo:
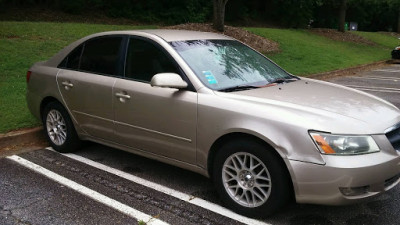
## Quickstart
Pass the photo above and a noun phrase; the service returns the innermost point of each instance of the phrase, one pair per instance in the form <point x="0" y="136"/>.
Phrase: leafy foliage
<point x="161" y="11"/>
<point x="371" y="15"/>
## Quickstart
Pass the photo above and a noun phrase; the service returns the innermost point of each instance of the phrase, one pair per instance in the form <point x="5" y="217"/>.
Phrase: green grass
<point x="382" y="39"/>
<point x="24" y="43"/>
<point x="141" y="222"/>
<point x="21" y="45"/>
<point x="304" y="53"/>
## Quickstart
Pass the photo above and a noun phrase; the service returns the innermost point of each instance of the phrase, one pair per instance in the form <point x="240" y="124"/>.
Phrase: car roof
<point x="168" y="35"/>
<point x="165" y="34"/>
<point x="182" y="35"/>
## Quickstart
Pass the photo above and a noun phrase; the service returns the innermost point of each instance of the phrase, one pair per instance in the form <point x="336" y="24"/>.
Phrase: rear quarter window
<point x="72" y="60"/>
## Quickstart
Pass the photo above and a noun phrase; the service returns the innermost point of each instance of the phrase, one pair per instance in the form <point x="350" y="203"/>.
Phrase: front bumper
<point x="345" y="179"/>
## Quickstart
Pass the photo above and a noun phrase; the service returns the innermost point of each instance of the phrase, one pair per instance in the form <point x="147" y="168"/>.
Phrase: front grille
<point x="393" y="135"/>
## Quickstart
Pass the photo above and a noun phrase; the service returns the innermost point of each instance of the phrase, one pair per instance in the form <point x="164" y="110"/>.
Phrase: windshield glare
<point x="222" y="64"/>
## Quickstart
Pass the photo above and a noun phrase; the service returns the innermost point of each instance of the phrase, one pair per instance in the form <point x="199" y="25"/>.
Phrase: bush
<point x="164" y="11"/>
<point x="73" y="6"/>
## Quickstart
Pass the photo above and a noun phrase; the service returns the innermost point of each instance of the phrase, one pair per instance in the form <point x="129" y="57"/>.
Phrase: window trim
<point x="120" y="56"/>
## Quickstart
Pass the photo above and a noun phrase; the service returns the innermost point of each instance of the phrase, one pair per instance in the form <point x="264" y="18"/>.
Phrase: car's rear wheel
<point x="59" y="128"/>
<point x="250" y="178"/>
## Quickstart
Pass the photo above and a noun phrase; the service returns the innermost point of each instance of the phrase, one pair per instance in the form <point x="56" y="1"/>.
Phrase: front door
<point x="152" y="119"/>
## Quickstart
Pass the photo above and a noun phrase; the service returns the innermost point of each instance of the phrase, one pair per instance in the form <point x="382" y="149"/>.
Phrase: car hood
<point x="332" y="104"/>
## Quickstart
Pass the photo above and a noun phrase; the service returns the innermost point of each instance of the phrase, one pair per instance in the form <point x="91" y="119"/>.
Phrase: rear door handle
<point x="123" y="96"/>
<point x="67" y="85"/>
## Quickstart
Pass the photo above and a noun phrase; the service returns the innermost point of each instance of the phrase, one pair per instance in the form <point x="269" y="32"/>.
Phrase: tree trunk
<point x="342" y="15"/>
<point x="219" y="14"/>
<point x="398" y="21"/>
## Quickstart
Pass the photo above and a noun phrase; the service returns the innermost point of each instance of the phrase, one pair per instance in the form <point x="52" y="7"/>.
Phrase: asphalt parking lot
<point x="383" y="82"/>
<point x="102" y="185"/>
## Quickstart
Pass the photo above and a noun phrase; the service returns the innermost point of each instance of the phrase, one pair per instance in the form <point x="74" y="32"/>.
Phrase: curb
<point x="348" y="71"/>
<point x="21" y="137"/>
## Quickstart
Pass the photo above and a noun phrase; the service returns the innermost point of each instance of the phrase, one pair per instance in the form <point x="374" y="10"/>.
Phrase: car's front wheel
<point x="250" y="178"/>
<point x="59" y="128"/>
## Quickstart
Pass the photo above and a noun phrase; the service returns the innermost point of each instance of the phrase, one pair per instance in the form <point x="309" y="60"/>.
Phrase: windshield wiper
<point x="284" y="80"/>
<point x="238" y="88"/>
<point x="272" y="83"/>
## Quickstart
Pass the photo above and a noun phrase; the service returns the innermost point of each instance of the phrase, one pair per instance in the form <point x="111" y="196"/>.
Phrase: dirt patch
<point x="340" y="36"/>
<point x="259" y="43"/>
<point x="23" y="147"/>
<point x="22" y="140"/>
<point x="18" y="131"/>
<point x="12" y="37"/>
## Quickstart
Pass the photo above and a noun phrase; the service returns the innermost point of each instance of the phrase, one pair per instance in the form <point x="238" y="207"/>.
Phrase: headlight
<point x="344" y="144"/>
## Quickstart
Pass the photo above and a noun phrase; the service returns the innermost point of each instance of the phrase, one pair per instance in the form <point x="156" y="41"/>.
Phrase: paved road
<point x="101" y="185"/>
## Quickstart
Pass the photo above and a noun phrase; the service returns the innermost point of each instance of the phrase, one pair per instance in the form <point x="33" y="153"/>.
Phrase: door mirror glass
<point x="169" y="80"/>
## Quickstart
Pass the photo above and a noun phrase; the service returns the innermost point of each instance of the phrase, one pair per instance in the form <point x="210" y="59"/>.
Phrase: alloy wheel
<point x="246" y="179"/>
<point x="56" y="127"/>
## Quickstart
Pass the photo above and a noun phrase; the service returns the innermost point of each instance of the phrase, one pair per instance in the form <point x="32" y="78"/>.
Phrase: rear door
<point x="86" y="81"/>
<point x="152" y="119"/>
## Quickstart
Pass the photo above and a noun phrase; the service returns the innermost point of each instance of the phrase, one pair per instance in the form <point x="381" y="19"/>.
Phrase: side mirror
<point x="169" y="80"/>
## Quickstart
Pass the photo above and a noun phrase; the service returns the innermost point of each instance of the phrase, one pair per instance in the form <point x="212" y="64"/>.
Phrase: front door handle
<point x="123" y="96"/>
<point x="67" y="85"/>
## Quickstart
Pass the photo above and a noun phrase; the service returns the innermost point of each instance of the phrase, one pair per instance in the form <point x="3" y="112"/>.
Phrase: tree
<point x="293" y="13"/>
<point x="342" y="15"/>
<point x="219" y="14"/>
<point x="398" y="21"/>
<point x="396" y="4"/>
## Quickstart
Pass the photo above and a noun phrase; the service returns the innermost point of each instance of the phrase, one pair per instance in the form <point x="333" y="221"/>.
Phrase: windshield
<point x="222" y="64"/>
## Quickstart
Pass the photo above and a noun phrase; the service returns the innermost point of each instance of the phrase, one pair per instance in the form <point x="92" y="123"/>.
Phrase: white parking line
<point x="378" y="78"/>
<point x="371" y="87"/>
<point x="169" y="191"/>
<point x="388" y="70"/>
<point x="88" y="192"/>
<point x="376" y="89"/>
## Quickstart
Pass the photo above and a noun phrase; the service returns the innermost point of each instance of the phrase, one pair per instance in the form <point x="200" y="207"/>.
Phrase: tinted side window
<point x="144" y="60"/>
<point x="72" y="60"/>
<point x="100" y="55"/>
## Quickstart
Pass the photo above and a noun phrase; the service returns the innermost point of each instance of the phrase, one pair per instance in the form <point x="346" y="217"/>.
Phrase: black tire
<point x="280" y="190"/>
<point x="61" y="128"/>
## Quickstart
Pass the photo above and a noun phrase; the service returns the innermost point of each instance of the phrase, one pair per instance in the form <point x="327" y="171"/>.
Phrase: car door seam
<point x="62" y="97"/>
